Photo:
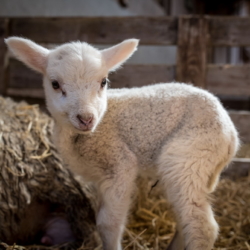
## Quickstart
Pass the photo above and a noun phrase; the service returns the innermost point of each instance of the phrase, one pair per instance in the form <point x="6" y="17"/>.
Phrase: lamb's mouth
<point x="82" y="129"/>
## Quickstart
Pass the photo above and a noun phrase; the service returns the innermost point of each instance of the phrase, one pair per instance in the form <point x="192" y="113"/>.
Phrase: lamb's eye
<point x="55" y="85"/>
<point x="104" y="82"/>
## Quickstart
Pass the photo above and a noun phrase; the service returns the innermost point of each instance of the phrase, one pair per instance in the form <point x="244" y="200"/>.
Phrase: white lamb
<point x="179" y="132"/>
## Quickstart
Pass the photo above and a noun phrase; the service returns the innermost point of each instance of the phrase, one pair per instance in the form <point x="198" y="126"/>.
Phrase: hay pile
<point x="29" y="155"/>
<point x="31" y="173"/>
<point x="151" y="224"/>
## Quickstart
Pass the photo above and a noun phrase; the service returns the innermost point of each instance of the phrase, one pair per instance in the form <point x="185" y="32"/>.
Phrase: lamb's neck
<point x="63" y="134"/>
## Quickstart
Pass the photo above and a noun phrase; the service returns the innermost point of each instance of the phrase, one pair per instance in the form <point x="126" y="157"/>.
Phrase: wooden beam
<point x="224" y="31"/>
<point x="98" y="30"/>
<point x="22" y="78"/>
<point x="229" y="80"/>
<point x="241" y="120"/>
<point x="240" y="167"/>
<point x="26" y="93"/>
<point x="226" y="80"/>
<point x="192" y="50"/>
<point x="3" y="49"/>
<point x="140" y="75"/>
<point x="229" y="31"/>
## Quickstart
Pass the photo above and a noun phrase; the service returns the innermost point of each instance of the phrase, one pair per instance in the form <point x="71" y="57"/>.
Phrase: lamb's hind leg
<point x="187" y="191"/>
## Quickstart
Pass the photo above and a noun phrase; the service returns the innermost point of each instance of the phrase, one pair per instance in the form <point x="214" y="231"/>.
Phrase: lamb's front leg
<point x="115" y="196"/>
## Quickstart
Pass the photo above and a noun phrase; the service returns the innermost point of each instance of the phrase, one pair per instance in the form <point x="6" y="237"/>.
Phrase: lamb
<point x="178" y="132"/>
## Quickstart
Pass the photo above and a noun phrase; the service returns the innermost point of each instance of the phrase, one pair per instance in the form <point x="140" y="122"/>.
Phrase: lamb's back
<point x="147" y="117"/>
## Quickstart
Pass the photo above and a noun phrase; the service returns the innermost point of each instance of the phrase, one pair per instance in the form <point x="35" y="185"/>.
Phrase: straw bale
<point x="31" y="172"/>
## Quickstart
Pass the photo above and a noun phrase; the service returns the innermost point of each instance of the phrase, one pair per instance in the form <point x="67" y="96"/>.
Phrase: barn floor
<point x="151" y="223"/>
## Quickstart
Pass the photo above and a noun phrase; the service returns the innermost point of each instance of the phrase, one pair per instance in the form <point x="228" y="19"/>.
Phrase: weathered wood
<point x="228" y="80"/>
<point x="26" y="92"/>
<point x="241" y="120"/>
<point x="229" y="31"/>
<point x="192" y="50"/>
<point x="3" y="49"/>
<point x="141" y="75"/>
<point x="22" y="77"/>
<point x="240" y="167"/>
<point x="224" y="31"/>
<point x="99" y="30"/>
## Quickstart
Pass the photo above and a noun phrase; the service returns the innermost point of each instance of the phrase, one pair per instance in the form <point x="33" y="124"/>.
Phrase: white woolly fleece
<point x="179" y="132"/>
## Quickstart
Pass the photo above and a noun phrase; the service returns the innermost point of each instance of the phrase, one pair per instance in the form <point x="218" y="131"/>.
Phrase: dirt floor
<point x="151" y="224"/>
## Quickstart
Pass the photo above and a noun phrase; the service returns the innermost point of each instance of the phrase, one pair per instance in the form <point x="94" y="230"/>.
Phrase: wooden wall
<point x="194" y="36"/>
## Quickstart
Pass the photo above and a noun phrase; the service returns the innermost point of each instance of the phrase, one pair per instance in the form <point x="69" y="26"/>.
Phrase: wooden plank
<point x="224" y="31"/>
<point x="192" y="50"/>
<point x="99" y="30"/>
<point x="26" y="93"/>
<point x="222" y="80"/>
<point x="141" y="75"/>
<point x="3" y="49"/>
<point x="229" y="80"/>
<point x="241" y="120"/>
<point x="22" y="77"/>
<point x="229" y="31"/>
<point x="240" y="167"/>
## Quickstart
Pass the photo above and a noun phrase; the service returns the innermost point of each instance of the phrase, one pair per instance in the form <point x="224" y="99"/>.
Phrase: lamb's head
<point x="74" y="77"/>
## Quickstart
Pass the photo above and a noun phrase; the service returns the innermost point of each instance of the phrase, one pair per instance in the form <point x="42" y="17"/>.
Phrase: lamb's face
<point x="75" y="76"/>
<point x="75" y="84"/>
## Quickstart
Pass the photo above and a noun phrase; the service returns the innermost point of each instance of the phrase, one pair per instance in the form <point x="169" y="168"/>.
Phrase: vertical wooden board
<point x="192" y="50"/>
<point x="3" y="49"/>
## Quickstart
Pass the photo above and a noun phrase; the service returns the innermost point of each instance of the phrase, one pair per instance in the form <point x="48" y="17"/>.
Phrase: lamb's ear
<point x="30" y="53"/>
<point x="118" y="54"/>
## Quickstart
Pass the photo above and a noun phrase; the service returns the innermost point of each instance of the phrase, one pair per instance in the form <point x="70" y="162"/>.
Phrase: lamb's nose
<point x="85" y="120"/>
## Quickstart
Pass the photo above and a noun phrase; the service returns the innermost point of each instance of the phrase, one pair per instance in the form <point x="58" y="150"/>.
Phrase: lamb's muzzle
<point x="85" y="122"/>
